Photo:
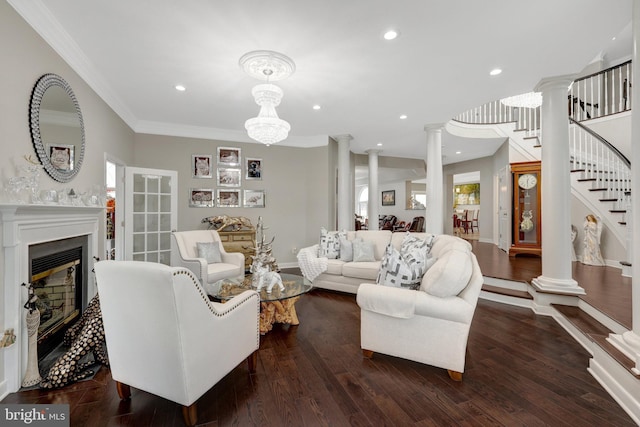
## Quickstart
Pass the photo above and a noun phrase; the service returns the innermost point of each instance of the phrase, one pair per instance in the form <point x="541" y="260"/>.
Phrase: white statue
<point x="266" y="278"/>
<point x="574" y="234"/>
<point x="592" y="231"/>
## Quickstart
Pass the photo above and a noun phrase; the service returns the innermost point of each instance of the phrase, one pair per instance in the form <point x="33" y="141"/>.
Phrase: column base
<point x="629" y="344"/>
<point x="558" y="286"/>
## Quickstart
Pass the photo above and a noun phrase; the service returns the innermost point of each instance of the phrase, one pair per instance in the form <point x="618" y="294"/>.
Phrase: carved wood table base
<point x="278" y="311"/>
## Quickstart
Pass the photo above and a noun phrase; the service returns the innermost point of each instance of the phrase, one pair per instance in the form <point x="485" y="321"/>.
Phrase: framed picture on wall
<point x="229" y="156"/>
<point x="228" y="198"/>
<point x="254" y="199"/>
<point x="201" y="198"/>
<point x="61" y="156"/>
<point x="389" y="198"/>
<point x="229" y="177"/>
<point x="201" y="166"/>
<point x="254" y="169"/>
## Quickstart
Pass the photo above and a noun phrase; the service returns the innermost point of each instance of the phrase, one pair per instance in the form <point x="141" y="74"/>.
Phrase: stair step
<point x="586" y="179"/>
<point x="608" y="200"/>
<point x="577" y="170"/>
<point x="617" y="210"/>
<point x="627" y="193"/>
<point x="625" y="263"/>
<point x="615" y="353"/>
<point x="596" y="332"/>
<point x="507" y="292"/>
<point x="622" y="222"/>
<point x="537" y="146"/>
<point x="598" y="189"/>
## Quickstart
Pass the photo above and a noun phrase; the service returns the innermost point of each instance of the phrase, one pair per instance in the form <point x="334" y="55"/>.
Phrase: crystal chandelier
<point x="267" y="127"/>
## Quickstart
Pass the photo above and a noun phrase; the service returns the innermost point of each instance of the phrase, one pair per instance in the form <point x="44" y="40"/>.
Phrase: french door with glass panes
<point x="150" y="214"/>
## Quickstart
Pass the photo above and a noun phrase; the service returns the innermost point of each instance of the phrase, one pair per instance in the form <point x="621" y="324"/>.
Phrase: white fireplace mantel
<point x="23" y="226"/>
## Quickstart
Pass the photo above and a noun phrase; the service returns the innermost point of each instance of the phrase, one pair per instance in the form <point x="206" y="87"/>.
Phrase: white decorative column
<point x="629" y="342"/>
<point x="556" y="189"/>
<point x="434" y="215"/>
<point x="374" y="201"/>
<point x="346" y="219"/>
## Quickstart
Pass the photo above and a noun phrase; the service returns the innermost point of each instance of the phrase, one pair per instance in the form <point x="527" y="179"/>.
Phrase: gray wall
<point x="296" y="182"/>
<point x="26" y="57"/>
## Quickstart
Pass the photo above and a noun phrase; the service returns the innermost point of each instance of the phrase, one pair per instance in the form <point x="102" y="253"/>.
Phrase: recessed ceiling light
<point x="316" y="107"/>
<point x="390" y="35"/>
<point x="402" y="117"/>
<point x="379" y="144"/>
<point x="458" y="152"/>
<point x="613" y="38"/>
<point x="495" y="72"/>
<point x="181" y="88"/>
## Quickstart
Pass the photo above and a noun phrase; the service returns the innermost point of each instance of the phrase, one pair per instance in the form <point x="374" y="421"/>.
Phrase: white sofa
<point x="347" y="276"/>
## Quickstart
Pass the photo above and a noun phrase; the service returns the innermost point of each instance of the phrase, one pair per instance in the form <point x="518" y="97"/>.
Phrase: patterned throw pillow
<point x="209" y="251"/>
<point x="411" y="243"/>
<point x="329" y="246"/>
<point x="404" y="270"/>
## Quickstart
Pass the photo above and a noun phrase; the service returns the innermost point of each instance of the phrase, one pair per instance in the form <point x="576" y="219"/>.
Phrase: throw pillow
<point x="363" y="251"/>
<point x="329" y="246"/>
<point x="209" y="251"/>
<point x="404" y="270"/>
<point x="450" y="275"/>
<point x="346" y="250"/>
<point x="412" y="243"/>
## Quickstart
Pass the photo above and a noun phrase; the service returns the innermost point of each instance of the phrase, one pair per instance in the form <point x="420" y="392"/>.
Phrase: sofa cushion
<point x="209" y="251"/>
<point x="449" y="275"/>
<point x="334" y="266"/>
<point x="363" y="251"/>
<point x="361" y="270"/>
<point x="444" y="242"/>
<point x="329" y="246"/>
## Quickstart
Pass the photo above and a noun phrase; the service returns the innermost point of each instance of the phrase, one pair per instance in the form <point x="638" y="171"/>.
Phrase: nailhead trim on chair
<point x="205" y="298"/>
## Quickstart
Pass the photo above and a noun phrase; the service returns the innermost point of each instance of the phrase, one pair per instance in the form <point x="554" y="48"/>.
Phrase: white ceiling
<point x="134" y="52"/>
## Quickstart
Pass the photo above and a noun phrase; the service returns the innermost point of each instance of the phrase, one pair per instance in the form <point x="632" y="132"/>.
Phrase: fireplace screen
<point x="56" y="277"/>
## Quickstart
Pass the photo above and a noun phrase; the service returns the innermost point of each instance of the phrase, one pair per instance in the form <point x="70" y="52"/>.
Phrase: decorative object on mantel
<point x="32" y="375"/>
<point x="269" y="66"/>
<point x="222" y="222"/>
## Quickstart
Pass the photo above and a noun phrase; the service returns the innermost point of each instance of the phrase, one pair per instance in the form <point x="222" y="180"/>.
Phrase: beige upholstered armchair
<point x="165" y="337"/>
<point x="191" y="249"/>
<point x="430" y="325"/>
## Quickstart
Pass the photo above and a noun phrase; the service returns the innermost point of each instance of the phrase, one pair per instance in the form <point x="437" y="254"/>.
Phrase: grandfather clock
<point x="526" y="235"/>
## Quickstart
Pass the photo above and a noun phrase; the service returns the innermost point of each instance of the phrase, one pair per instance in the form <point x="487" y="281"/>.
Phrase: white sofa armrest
<point x="387" y="300"/>
<point x="454" y="309"/>
<point x="235" y="258"/>
<point x="198" y="266"/>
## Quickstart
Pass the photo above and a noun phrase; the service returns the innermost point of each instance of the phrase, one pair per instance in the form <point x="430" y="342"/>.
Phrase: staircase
<point x="600" y="173"/>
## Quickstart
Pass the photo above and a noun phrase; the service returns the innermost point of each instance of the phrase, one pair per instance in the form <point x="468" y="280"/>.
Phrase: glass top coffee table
<point x="276" y="306"/>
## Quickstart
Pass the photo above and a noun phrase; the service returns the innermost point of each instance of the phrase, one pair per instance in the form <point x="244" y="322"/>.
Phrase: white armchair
<point x="430" y="325"/>
<point x="185" y="254"/>
<point x="165" y="337"/>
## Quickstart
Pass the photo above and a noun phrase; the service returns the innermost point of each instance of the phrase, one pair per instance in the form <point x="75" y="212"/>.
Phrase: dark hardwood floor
<point x="522" y="369"/>
<point x="605" y="288"/>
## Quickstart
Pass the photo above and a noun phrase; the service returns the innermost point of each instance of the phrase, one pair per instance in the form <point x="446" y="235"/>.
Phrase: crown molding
<point x="40" y="18"/>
